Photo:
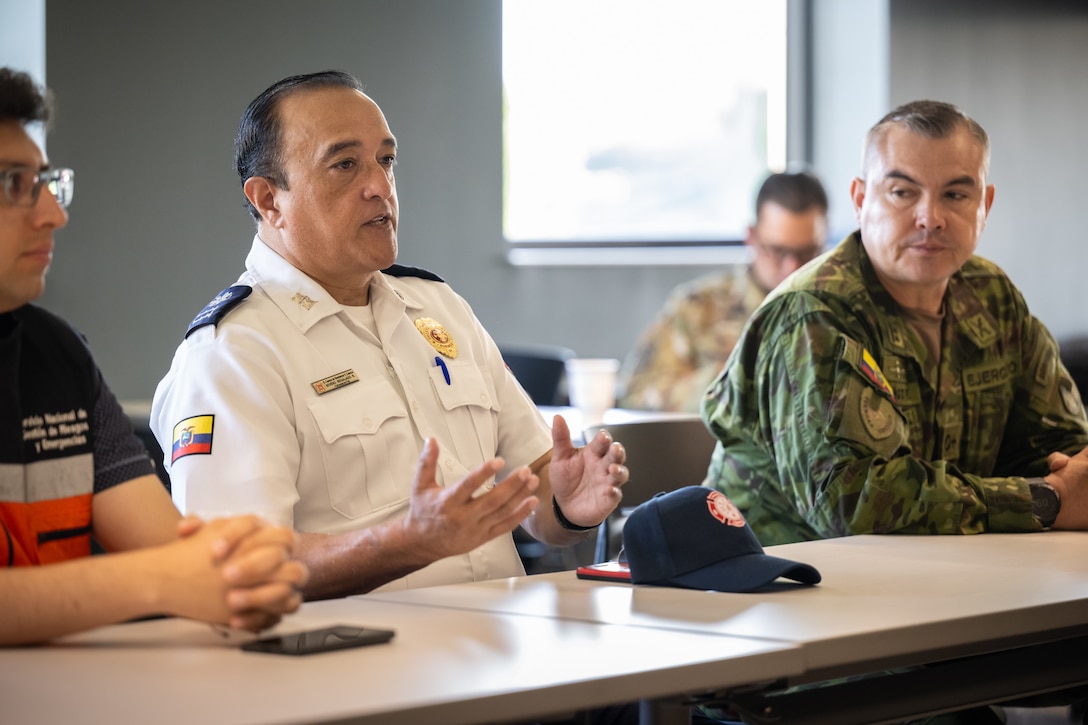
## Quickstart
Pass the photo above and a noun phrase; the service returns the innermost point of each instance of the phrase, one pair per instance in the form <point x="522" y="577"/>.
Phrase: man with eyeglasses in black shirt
<point x="71" y="467"/>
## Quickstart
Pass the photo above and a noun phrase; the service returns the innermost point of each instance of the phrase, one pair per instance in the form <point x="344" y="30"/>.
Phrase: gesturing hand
<point x="455" y="520"/>
<point x="586" y="481"/>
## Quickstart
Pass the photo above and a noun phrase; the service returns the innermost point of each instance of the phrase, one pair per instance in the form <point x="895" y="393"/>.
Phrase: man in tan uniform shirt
<point x="684" y="349"/>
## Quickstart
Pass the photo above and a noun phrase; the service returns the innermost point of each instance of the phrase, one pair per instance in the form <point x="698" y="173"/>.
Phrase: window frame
<point x="686" y="252"/>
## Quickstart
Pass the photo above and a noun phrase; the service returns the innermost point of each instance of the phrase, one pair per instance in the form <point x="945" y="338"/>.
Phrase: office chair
<point x="139" y="415"/>
<point x="541" y="370"/>
<point x="1074" y="355"/>
<point x="662" y="455"/>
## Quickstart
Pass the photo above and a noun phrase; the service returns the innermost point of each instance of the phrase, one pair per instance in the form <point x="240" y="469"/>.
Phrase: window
<point x="631" y="123"/>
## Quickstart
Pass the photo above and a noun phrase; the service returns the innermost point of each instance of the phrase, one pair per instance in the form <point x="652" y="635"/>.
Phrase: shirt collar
<point x="302" y="299"/>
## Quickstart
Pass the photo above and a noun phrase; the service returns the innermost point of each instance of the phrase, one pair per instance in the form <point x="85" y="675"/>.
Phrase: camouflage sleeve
<point x="833" y="446"/>
<point x="662" y="372"/>
<point x="1047" y="414"/>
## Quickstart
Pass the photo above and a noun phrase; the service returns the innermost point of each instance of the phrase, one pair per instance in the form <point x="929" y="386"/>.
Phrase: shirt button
<point x="483" y="398"/>
<point x="415" y="406"/>
<point x="449" y="465"/>
<point x="368" y="422"/>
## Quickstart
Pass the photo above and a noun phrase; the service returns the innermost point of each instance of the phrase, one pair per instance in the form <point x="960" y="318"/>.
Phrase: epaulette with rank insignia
<point x="220" y="305"/>
<point x="400" y="270"/>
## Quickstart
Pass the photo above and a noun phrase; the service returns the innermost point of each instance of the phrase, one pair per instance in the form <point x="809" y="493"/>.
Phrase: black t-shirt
<point x="54" y="402"/>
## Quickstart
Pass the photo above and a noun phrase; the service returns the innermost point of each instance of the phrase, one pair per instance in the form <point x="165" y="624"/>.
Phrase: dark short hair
<point x="931" y="119"/>
<point x="797" y="192"/>
<point x="257" y="149"/>
<point x="22" y="100"/>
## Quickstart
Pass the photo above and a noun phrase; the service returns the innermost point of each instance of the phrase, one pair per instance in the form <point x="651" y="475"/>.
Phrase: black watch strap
<point x="565" y="523"/>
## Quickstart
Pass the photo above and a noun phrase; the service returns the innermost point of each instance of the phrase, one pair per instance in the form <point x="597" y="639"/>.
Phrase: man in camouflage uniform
<point x="678" y="355"/>
<point x="899" y="383"/>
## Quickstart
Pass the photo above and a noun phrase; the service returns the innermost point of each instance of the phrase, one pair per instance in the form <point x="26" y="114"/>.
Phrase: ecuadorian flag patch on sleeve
<point x="873" y="372"/>
<point x="192" y="436"/>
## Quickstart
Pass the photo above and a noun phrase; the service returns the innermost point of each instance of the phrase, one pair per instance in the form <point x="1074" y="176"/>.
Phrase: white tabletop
<point x="442" y="666"/>
<point x="898" y="599"/>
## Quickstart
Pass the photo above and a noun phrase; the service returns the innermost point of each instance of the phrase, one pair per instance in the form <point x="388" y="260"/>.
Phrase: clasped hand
<point x="1069" y="476"/>
<point x="250" y="563"/>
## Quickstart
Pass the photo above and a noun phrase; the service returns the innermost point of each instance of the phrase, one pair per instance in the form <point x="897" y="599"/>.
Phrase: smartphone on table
<point x="609" y="571"/>
<point x="326" y="639"/>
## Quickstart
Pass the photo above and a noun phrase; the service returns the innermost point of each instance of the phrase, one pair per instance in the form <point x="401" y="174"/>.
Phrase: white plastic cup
<point x="591" y="384"/>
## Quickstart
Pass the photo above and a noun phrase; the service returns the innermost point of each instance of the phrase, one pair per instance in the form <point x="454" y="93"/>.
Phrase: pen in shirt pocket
<point x="445" y="370"/>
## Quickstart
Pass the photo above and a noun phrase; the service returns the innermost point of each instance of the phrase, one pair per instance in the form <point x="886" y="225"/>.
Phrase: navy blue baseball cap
<point x="695" y="537"/>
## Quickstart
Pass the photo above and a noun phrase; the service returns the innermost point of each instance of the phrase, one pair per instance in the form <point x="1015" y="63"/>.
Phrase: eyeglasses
<point x="23" y="185"/>
<point x="781" y="253"/>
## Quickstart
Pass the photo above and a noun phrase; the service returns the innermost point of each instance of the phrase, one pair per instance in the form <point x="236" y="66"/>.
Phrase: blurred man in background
<point x="681" y="352"/>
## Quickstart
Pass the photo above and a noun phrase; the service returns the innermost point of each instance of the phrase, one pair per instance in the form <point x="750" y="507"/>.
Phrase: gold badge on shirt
<point x="438" y="336"/>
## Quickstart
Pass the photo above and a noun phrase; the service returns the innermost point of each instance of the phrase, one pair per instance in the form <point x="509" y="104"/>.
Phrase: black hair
<point x="931" y="119"/>
<point x="797" y="192"/>
<point x="22" y="100"/>
<point x="257" y="149"/>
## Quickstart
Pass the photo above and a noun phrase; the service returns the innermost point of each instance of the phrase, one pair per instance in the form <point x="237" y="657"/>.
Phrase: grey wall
<point x="1021" y="70"/>
<point x="150" y="98"/>
<point x="150" y="94"/>
<point x="849" y="93"/>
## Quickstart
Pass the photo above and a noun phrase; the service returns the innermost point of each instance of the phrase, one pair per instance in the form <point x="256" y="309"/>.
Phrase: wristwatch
<point x="1045" y="501"/>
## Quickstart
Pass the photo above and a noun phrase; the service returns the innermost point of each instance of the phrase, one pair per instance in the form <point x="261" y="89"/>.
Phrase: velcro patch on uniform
<point x="1070" y="395"/>
<point x="876" y="414"/>
<point x="990" y="375"/>
<point x="868" y="417"/>
<point x="1046" y="365"/>
<point x="980" y="330"/>
<point x="192" y="436"/>
<point x="220" y="305"/>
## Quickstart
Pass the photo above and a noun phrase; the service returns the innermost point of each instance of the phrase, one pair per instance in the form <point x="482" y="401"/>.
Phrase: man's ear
<point x="262" y="195"/>
<point x="857" y="195"/>
<point x="750" y="238"/>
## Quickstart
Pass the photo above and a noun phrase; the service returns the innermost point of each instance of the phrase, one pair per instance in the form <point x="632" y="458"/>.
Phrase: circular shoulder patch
<point x="1069" y="397"/>
<point x="877" y="414"/>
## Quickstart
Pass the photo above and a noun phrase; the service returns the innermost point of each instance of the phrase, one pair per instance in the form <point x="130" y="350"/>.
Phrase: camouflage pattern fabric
<point x="832" y="419"/>
<point x="684" y="349"/>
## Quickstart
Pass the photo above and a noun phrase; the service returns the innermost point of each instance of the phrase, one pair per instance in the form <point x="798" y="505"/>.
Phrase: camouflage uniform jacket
<point x="684" y="349"/>
<point x="833" y="420"/>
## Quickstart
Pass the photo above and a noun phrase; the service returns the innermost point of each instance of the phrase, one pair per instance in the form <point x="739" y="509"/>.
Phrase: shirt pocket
<point x="472" y="409"/>
<point x="365" y="439"/>
<point x="989" y="393"/>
